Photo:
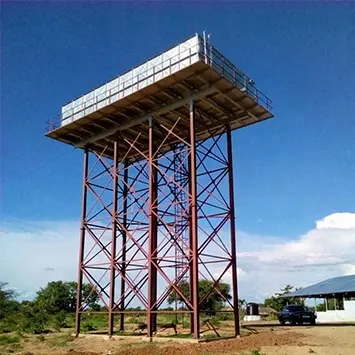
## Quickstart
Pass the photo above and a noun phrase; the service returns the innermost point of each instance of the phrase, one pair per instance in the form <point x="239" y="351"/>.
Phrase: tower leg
<point x="113" y="239"/>
<point x="153" y="234"/>
<point x="193" y="225"/>
<point x="124" y="241"/>
<point x="233" y="234"/>
<point x="82" y="244"/>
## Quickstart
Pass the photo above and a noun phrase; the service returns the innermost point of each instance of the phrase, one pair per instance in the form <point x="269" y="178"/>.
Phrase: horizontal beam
<point x="165" y="109"/>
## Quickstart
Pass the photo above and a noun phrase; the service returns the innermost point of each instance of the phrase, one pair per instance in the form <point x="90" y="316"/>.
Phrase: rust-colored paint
<point x="82" y="243"/>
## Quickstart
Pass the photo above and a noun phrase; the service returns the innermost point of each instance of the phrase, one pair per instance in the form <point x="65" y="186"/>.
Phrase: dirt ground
<point x="262" y="339"/>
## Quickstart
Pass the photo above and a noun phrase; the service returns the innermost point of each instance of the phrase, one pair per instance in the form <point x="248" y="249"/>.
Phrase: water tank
<point x="252" y="309"/>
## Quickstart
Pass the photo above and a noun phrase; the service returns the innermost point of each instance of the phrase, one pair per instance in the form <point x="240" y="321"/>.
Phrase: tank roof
<point x="161" y="88"/>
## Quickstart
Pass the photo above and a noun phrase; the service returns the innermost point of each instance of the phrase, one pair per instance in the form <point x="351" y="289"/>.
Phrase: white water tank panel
<point x="155" y="69"/>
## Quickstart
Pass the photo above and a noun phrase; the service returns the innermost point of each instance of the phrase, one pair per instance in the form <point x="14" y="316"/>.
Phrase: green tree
<point x="214" y="301"/>
<point x="61" y="296"/>
<point x="34" y="318"/>
<point x="8" y="304"/>
<point x="277" y="302"/>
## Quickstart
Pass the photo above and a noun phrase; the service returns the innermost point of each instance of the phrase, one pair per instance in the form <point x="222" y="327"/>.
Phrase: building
<point x="338" y="294"/>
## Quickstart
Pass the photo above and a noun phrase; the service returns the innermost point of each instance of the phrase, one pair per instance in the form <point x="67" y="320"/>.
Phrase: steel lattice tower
<point x="158" y="194"/>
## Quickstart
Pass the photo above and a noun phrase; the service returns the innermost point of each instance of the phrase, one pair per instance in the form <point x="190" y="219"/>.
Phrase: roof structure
<point x="344" y="285"/>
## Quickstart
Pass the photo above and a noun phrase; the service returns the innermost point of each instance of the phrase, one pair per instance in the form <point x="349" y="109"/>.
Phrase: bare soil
<point x="265" y="339"/>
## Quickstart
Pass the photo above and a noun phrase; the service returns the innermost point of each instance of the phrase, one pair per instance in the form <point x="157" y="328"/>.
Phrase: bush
<point x="10" y="323"/>
<point x="88" y="326"/>
<point x="60" y="321"/>
<point x="34" y="319"/>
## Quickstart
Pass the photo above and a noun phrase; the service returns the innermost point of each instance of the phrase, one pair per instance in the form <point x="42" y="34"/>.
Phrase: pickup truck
<point x="296" y="315"/>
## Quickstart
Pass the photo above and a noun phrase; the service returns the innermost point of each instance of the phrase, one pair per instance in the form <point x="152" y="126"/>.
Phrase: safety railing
<point x="165" y="68"/>
<point x="229" y="71"/>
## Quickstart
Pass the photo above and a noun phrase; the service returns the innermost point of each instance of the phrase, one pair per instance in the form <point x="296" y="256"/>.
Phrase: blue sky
<point x="289" y="172"/>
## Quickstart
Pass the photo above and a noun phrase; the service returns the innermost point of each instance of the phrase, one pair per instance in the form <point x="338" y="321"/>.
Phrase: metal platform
<point x="221" y="92"/>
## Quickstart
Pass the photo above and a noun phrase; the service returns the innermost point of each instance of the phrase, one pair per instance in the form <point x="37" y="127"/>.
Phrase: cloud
<point x="337" y="221"/>
<point x="35" y="253"/>
<point x="323" y="252"/>
<point x="27" y="250"/>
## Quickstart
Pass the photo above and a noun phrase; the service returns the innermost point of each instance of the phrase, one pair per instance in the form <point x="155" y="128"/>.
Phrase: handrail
<point x="209" y="55"/>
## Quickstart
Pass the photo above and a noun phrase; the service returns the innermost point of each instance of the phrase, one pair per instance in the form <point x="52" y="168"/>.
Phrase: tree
<point x="241" y="303"/>
<point x="277" y="302"/>
<point x="5" y="293"/>
<point x="61" y="296"/>
<point x="8" y="304"/>
<point x="214" y="301"/>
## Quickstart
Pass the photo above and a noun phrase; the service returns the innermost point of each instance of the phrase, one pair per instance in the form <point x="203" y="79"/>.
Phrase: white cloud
<point x="349" y="269"/>
<point x="325" y="251"/>
<point x="34" y="253"/>
<point x="227" y="277"/>
<point x="337" y="220"/>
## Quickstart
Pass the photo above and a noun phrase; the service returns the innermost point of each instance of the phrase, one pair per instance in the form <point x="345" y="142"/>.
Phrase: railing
<point x="166" y="67"/>
<point x="229" y="71"/>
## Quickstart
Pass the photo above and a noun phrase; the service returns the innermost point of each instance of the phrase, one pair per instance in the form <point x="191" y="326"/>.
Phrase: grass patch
<point x="91" y="322"/>
<point x="176" y="336"/>
<point x="60" y="341"/>
<point x="125" y="333"/>
<point x="9" y="339"/>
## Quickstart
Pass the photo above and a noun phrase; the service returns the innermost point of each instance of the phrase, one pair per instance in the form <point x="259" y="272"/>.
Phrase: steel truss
<point x="152" y="219"/>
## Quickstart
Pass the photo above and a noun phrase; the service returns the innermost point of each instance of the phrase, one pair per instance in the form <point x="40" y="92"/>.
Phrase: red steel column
<point x="153" y="234"/>
<point x="113" y="237"/>
<point x="233" y="234"/>
<point x="191" y="276"/>
<point x="82" y="242"/>
<point x="193" y="225"/>
<point x="124" y="241"/>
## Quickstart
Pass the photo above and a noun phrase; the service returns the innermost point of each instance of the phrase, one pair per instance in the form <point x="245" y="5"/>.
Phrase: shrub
<point x="34" y="319"/>
<point x="9" y="323"/>
<point x="60" y="321"/>
<point x="88" y="326"/>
